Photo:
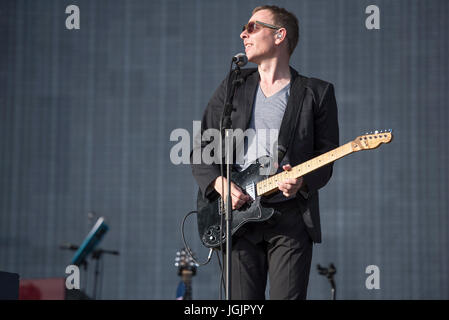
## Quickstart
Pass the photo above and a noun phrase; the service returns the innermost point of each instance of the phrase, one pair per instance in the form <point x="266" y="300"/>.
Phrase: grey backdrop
<point x="86" y="116"/>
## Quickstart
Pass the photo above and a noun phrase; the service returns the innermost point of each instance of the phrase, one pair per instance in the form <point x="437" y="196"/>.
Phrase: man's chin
<point x="252" y="59"/>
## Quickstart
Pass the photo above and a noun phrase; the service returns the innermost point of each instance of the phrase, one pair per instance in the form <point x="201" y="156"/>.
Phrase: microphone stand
<point x="329" y="273"/>
<point x="226" y="123"/>
<point x="96" y="255"/>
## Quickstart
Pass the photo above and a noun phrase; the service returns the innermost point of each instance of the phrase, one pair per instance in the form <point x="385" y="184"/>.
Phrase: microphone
<point x="240" y="59"/>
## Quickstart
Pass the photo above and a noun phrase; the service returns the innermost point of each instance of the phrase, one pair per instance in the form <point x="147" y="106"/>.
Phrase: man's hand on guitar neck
<point x="290" y="187"/>
<point x="238" y="197"/>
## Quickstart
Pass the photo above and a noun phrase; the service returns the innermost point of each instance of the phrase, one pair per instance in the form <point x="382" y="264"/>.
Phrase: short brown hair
<point x="284" y="19"/>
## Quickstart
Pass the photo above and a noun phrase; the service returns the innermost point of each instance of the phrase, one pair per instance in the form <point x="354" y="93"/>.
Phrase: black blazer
<point x="316" y="133"/>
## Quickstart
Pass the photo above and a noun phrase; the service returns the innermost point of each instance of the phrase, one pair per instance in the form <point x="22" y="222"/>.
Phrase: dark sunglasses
<point x="250" y="27"/>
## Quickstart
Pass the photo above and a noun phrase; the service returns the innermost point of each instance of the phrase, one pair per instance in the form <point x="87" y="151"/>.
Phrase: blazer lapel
<point x="292" y="112"/>
<point x="251" y="85"/>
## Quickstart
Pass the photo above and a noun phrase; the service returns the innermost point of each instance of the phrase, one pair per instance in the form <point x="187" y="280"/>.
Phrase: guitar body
<point x="209" y="211"/>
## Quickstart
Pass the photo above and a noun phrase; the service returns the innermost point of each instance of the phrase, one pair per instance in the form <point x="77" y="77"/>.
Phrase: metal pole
<point x="228" y="216"/>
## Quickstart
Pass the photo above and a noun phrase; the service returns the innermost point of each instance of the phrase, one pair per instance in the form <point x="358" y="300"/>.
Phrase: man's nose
<point x="244" y="34"/>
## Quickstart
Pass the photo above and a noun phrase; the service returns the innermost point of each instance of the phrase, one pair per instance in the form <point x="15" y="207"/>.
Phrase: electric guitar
<point x="186" y="270"/>
<point x="252" y="183"/>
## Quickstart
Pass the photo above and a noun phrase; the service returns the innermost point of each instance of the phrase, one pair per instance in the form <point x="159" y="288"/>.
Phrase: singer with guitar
<point x="304" y="110"/>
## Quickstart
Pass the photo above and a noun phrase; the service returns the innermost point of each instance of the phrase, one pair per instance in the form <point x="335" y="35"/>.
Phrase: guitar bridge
<point x="251" y="190"/>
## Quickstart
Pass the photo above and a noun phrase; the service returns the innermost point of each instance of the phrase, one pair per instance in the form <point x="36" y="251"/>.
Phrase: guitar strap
<point x="291" y="115"/>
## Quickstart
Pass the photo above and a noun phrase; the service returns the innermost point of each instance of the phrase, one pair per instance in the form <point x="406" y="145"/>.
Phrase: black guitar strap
<point x="291" y="114"/>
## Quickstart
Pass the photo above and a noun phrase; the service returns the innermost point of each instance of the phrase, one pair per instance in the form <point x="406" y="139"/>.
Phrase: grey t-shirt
<point x="266" y="121"/>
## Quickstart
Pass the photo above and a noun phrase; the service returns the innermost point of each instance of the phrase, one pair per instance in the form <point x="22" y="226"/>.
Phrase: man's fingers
<point x="284" y="186"/>
<point x="237" y="204"/>
<point x="290" y="181"/>
<point x="239" y="195"/>
<point x="288" y="189"/>
<point x="236" y="192"/>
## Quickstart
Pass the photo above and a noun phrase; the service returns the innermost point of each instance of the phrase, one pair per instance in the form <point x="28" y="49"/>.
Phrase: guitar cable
<point x="188" y="248"/>
<point x="208" y="257"/>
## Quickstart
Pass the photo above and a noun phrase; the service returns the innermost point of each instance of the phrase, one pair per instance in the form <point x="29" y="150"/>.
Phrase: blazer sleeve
<point x="326" y="138"/>
<point x="203" y="173"/>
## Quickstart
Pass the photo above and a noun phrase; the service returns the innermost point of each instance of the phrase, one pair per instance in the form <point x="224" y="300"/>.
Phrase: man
<point x="282" y="246"/>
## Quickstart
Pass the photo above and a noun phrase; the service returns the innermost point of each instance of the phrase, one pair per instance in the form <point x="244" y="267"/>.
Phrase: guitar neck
<point x="269" y="185"/>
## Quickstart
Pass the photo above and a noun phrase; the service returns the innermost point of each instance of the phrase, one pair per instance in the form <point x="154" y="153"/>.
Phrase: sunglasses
<point x="251" y="27"/>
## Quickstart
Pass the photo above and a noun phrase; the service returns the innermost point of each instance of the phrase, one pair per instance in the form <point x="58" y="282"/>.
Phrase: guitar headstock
<point x="185" y="263"/>
<point x="372" y="140"/>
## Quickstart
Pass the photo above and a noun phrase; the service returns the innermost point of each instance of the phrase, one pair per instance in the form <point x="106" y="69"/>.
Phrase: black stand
<point x="96" y="255"/>
<point x="226" y="128"/>
<point x="84" y="264"/>
<point x="329" y="273"/>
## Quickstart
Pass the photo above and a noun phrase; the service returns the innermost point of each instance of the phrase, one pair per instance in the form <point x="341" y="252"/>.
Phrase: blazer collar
<point x="252" y="83"/>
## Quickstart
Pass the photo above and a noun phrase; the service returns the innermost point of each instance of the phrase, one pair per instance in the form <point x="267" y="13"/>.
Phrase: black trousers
<point x="280" y="248"/>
